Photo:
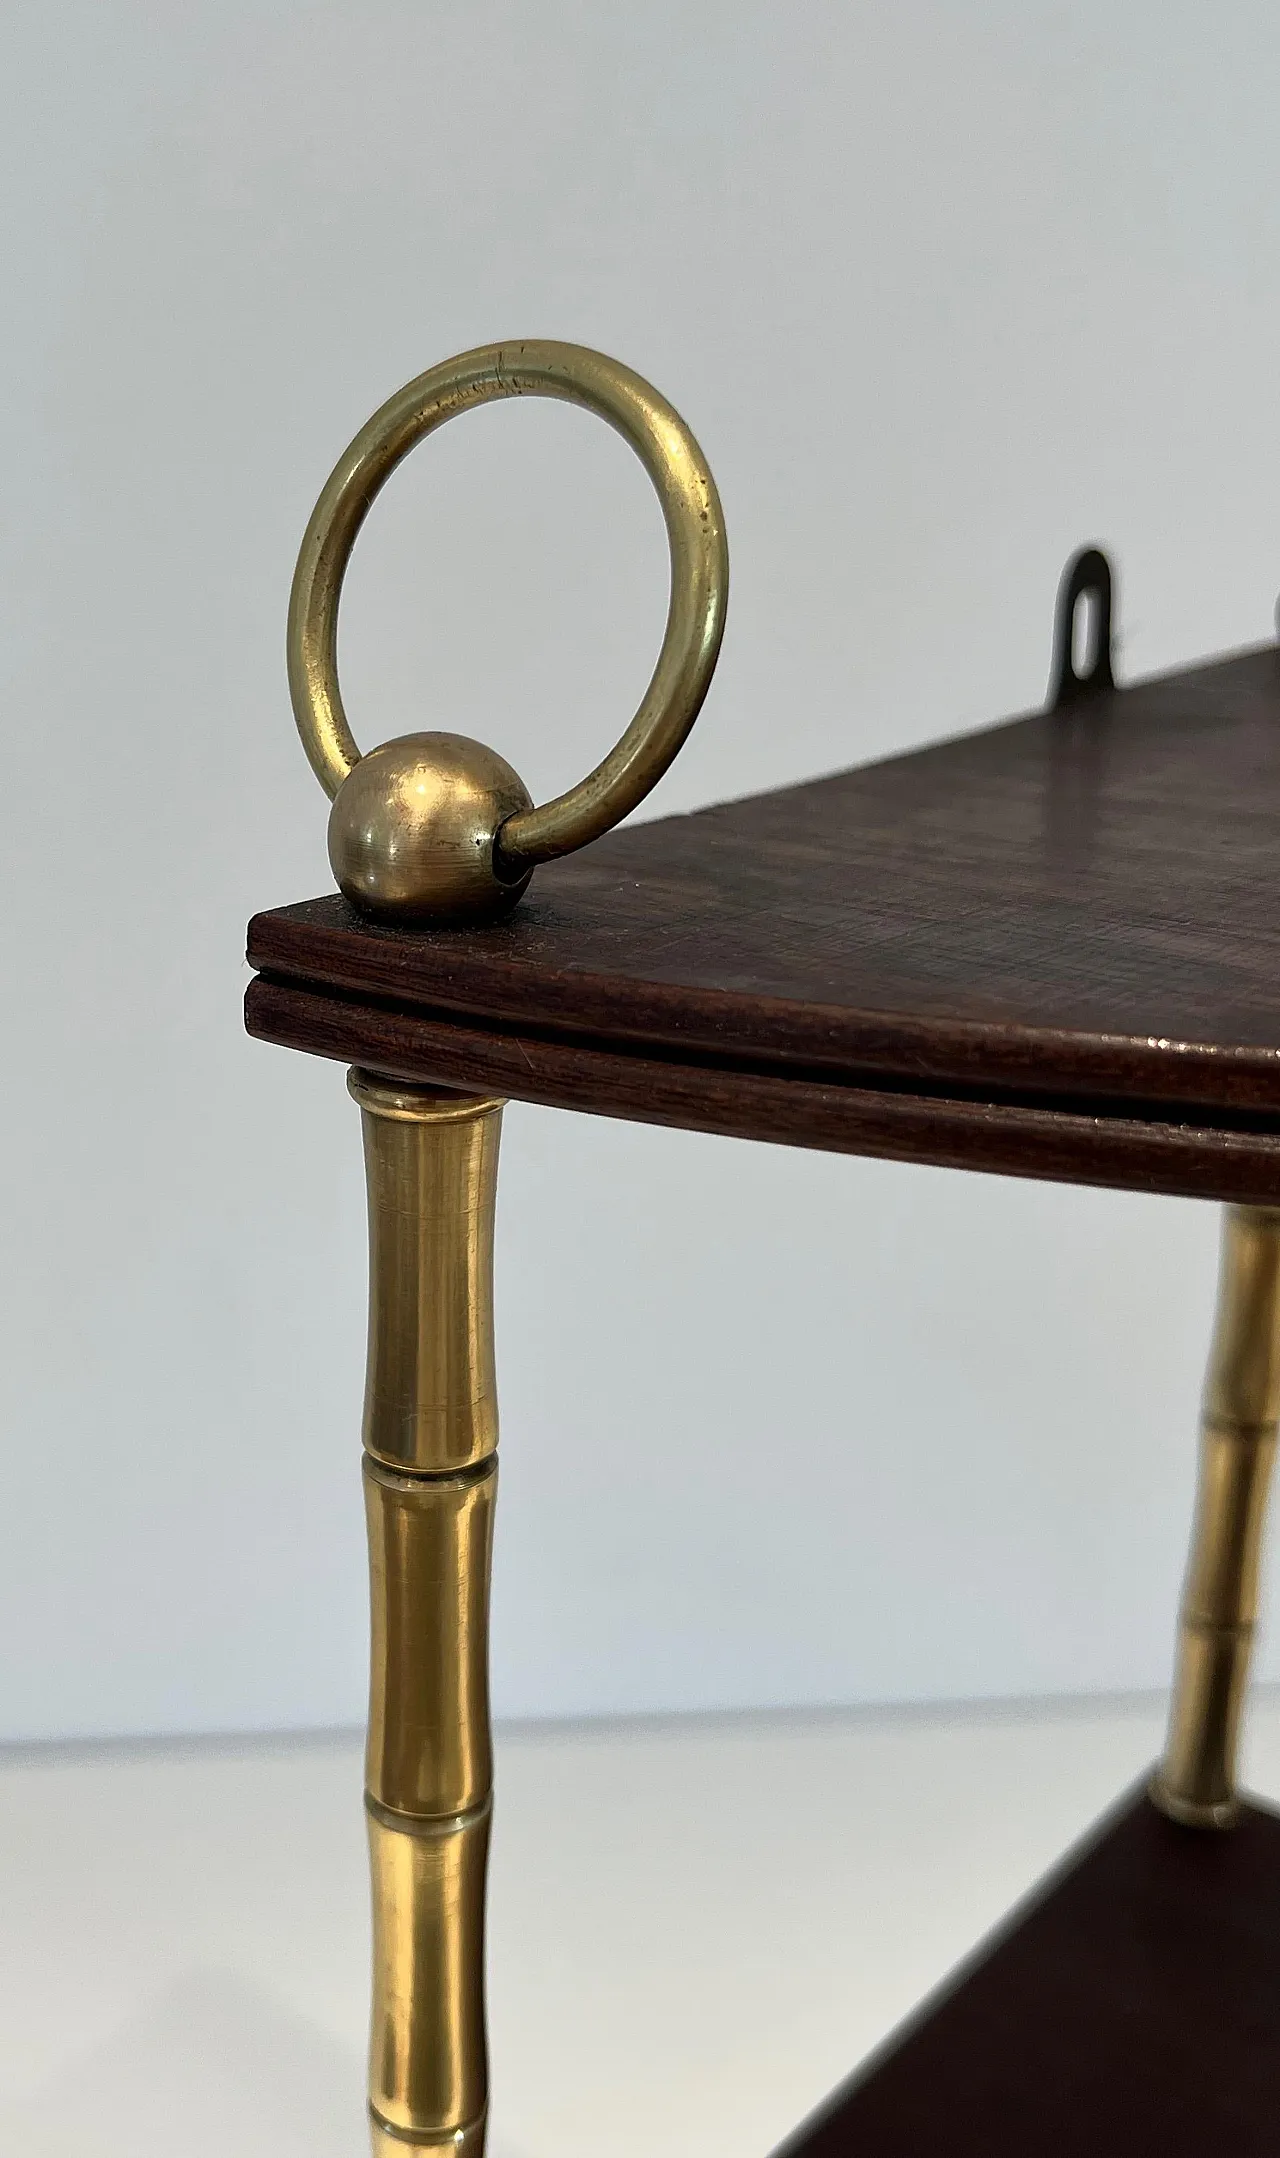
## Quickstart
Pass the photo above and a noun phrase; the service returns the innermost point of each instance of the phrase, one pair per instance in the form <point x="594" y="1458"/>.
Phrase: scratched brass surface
<point x="1196" y="1781"/>
<point x="411" y="835"/>
<point x="431" y="1165"/>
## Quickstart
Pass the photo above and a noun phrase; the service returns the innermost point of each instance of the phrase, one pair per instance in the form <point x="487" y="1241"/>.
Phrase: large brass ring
<point x="524" y="835"/>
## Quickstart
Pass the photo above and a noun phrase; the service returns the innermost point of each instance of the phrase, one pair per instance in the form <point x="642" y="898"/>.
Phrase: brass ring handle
<point x="435" y="827"/>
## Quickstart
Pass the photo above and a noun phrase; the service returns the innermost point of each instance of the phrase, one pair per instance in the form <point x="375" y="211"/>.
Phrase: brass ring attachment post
<point x="1196" y="1781"/>
<point x="435" y="827"/>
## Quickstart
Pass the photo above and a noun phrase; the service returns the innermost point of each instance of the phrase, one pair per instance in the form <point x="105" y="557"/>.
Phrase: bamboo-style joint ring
<point x="435" y="827"/>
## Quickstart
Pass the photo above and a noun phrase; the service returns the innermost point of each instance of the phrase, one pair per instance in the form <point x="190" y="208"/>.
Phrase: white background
<point x="944" y="290"/>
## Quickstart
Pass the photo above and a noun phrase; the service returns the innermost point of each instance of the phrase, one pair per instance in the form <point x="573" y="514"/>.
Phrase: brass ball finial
<point x="414" y="826"/>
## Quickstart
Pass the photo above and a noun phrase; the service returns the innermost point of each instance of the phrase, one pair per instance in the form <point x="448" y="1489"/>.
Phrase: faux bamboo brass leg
<point x="1196" y="1780"/>
<point x="430" y="1435"/>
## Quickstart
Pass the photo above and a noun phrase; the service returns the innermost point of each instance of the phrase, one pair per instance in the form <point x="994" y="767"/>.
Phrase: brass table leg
<point x="1195" y="1783"/>
<point x="430" y="1474"/>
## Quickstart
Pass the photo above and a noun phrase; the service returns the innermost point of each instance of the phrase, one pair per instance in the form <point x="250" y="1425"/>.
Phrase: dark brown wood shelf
<point x="1129" y="2010"/>
<point x="1050" y="949"/>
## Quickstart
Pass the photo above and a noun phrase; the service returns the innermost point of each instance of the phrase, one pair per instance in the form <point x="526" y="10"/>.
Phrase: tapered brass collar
<point x="438" y="828"/>
<point x="416" y="1104"/>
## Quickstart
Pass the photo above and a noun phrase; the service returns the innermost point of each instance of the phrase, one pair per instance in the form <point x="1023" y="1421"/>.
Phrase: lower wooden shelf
<point x="1132" y="2006"/>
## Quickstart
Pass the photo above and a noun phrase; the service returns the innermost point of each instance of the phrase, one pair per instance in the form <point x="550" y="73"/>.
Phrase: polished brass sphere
<point x="412" y="830"/>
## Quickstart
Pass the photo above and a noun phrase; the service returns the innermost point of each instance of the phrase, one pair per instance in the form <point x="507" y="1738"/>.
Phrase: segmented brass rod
<point x="430" y="1477"/>
<point x="1196" y="1782"/>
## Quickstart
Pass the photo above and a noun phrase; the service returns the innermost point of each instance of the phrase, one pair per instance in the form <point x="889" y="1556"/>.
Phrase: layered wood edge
<point x="1115" y="1142"/>
<point x="312" y="944"/>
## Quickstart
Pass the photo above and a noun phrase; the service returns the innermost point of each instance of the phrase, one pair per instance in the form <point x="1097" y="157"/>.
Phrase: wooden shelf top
<point x="1071" y="918"/>
<point x="1126" y="2010"/>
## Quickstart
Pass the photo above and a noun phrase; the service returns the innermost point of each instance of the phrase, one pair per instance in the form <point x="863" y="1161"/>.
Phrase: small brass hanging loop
<point x="435" y="827"/>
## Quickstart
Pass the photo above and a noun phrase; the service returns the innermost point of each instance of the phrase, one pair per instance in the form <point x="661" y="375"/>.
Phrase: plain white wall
<point x="944" y="290"/>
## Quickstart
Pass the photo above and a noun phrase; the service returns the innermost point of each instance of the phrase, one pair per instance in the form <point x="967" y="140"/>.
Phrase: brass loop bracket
<point x="435" y="827"/>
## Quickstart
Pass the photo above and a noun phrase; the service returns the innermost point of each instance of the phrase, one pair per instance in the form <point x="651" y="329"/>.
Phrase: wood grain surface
<point x="1050" y="948"/>
<point x="1131" y="2010"/>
